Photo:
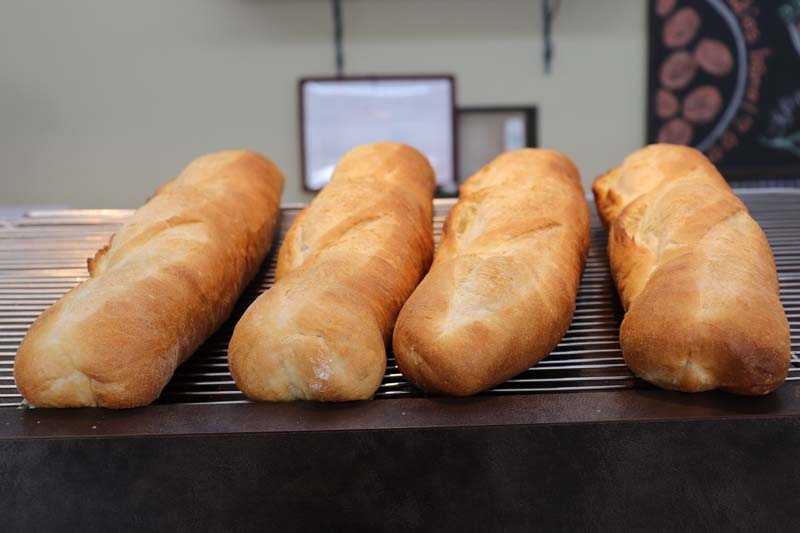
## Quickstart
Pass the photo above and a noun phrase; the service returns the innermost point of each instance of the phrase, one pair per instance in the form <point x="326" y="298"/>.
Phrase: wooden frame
<point x="531" y="118"/>
<point x="531" y="113"/>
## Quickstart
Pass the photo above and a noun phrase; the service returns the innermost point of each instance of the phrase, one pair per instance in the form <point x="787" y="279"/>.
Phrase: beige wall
<point x="103" y="100"/>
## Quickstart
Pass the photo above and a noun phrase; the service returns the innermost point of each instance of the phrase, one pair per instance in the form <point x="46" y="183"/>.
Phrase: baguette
<point x="167" y="279"/>
<point x="695" y="274"/>
<point x="502" y="288"/>
<point x="348" y="263"/>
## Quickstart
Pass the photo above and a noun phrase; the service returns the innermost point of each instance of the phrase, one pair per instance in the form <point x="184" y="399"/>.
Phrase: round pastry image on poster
<point x="724" y="78"/>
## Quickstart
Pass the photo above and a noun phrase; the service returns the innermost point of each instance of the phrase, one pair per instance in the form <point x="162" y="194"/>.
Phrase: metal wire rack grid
<point x="44" y="254"/>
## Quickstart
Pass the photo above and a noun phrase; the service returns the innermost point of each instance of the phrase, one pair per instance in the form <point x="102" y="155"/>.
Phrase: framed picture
<point x="485" y="132"/>
<point x="337" y="114"/>
<point x="723" y="77"/>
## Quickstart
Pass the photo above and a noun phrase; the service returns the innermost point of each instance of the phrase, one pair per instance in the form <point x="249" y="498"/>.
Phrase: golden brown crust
<point x="695" y="274"/>
<point x="348" y="263"/>
<point x="502" y="288"/>
<point x="166" y="281"/>
<point x="98" y="256"/>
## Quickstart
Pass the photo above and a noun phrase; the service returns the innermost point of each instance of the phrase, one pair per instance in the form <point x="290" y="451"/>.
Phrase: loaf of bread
<point x="348" y="263"/>
<point x="502" y="288"/>
<point x="695" y="274"/>
<point x="168" y="278"/>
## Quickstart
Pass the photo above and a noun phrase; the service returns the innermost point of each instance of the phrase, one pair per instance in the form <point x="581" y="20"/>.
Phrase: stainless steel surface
<point x="44" y="254"/>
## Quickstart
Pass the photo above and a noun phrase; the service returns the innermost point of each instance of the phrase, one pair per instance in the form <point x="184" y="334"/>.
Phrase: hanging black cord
<point x="550" y="9"/>
<point x="337" y="36"/>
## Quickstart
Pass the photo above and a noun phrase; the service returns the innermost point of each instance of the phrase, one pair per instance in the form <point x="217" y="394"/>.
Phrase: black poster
<point x="724" y="77"/>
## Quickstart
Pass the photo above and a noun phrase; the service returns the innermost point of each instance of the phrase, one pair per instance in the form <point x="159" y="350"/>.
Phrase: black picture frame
<point x="388" y="77"/>
<point x="530" y="111"/>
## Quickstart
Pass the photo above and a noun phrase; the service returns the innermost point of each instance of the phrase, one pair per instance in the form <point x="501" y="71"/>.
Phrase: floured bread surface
<point x="347" y="265"/>
<point x="502" y="288"/>
<point x="695" y="274"/>
<point x="168" y="278"/>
